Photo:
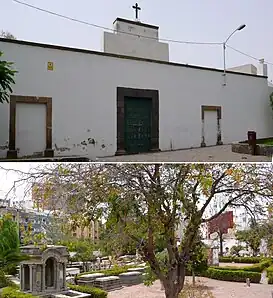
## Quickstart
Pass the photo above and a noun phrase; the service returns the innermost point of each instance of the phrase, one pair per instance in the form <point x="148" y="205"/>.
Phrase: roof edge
<point x="85" y="51"/>
<point x="136" y="23"/>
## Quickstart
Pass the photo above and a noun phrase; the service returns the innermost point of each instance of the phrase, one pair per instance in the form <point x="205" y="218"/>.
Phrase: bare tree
<point x="6" y="34"/>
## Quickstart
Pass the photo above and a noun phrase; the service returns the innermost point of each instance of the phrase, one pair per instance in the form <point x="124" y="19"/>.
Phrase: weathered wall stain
<point x="4" y="147"/>
<point x="92" y="141"/>
<point x="61" y="149"/>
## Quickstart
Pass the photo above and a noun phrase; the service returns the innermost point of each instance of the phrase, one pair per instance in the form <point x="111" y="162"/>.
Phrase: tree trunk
<point x="175" y="282"/>
<point x="171" y="293"/>
<point x="193" y="278"/>
<point x="221" y="244"/>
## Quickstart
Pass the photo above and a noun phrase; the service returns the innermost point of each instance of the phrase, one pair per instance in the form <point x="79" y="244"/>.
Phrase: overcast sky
<point x="7" y="179"/>
<point x="196" y="20"/>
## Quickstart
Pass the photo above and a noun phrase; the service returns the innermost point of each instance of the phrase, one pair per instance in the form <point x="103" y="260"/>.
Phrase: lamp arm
<point x="230" y="36"/>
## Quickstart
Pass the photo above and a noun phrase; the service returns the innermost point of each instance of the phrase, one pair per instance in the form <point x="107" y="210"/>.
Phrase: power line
<point x="106" y="28"/>
<point x="132" y="34"/>
<point x="245" y="54"/>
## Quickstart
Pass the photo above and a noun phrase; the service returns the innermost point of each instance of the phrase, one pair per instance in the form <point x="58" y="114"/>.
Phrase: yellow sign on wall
<point x="50" y="66"/>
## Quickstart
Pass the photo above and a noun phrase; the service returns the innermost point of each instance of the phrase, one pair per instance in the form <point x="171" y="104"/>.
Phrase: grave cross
<point x="137" y="8"/>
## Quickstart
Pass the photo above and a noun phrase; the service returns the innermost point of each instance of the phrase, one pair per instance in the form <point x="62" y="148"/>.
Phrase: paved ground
<point x="208" y="154"/>
<point x="220" y="289"/>
<point x="234" y="265"/>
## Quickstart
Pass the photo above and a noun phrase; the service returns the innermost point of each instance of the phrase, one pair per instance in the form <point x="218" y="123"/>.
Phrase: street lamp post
<point x="225" y="47"/>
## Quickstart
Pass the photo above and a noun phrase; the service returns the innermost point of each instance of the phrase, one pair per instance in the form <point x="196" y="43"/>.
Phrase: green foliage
<point x="233" y="275"/>
<point x="83" y="249"/>
<point x="254" y="268"/>
<point x="269" y="272"/>
<point x="10" y="254"/>
<point x="13" y="292"/>
<point x="235" y="249"/>
<point x="4" y="281"/>
<point x="244" y="260"/>
<point x="252" y="236"/>
<point x="94" y="292"/>
<point x="198" y="257"/>
<point x="145" y="202"/>
<point x="6" y="79"/>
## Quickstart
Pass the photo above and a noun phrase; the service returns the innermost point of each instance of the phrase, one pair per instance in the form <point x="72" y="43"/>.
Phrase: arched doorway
<point x="50" y="277"/>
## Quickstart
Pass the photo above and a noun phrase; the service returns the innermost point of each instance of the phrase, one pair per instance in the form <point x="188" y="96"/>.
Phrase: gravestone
<point x="131" y="278"/>
<point x="108" y="283"/>
<point x="88" y="279"/>
<point x="139" y="269"/>
<point x="45" y="271"/>
<point x="213" y="257"/>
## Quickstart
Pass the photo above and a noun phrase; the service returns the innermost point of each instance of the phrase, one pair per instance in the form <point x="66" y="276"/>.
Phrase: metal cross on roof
<point x="137" y="8"/>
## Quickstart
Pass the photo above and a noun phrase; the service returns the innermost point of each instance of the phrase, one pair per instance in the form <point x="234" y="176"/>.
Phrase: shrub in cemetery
<point x="4" y="281"/>
<point x="6" y="79"/>
<point x="269" y="272"/>
<point x="12" y="292"/>
<point x="233" y="275"/>
<point x="246" y="260"/>
<point x="108" y="272"/>
<point x="254" y="268"/>
<point x="94" y="292"/>
<point x="147" y="200"/>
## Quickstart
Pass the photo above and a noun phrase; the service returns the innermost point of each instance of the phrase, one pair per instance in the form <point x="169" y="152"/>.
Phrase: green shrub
<point x="246" y="260"/>
<point x="269" y="272"/>
<point x="233" y="275"/>
<point x="270" y="278"/>
<point x="109" y="272"/>
<point x="11" y="292"/>
<point x="254" y="268"/>
<point x="4" y="281"/>
<point x="94" y="292"/>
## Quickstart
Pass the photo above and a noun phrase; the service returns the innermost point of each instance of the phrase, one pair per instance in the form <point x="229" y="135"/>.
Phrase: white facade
<point x="83" y="87"/>
<point x="135" y="39"/>
<point x="247" y="68"/>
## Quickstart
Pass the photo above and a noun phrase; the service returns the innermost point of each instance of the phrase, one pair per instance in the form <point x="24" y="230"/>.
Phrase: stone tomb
<point x="45" y="270"/>
<point x="131" y="278"/>
<point x="139" y="269"/>
<point x="89" y="279"/>
<point x="108" y="283"/>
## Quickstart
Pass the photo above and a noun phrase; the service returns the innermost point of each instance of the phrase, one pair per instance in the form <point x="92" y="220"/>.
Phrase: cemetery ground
<point x="208" y="154"/>
<point x="220" y="289"/>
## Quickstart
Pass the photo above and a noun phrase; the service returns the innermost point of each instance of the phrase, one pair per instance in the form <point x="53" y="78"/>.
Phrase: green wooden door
<point x="138" y="122"/>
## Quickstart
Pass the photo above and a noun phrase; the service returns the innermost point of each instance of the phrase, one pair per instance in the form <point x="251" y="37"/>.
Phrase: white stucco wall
<point x="122" y="26"/>
<point x="247" y="68"/>
<point x="83" y="88"/>
<point x="137" y="47"/>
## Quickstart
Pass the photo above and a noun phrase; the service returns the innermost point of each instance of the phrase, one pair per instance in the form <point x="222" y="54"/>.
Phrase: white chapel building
<point x="128" y="98"/>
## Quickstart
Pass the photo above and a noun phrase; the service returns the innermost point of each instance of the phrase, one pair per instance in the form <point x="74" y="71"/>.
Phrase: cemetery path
<point x="220" y="289"/>
<point x="209" y="154"/>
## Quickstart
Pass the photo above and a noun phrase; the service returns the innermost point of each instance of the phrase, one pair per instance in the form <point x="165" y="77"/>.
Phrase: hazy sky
<point x="7" y="179"/>
<point x="195" y="20"/>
